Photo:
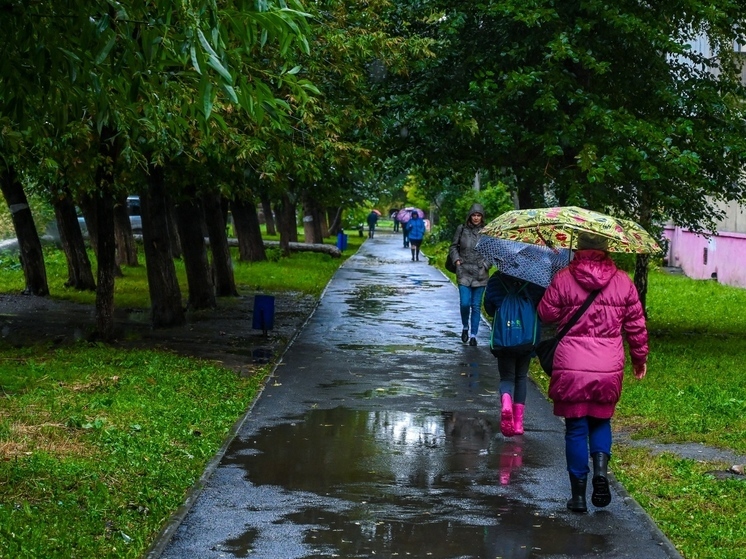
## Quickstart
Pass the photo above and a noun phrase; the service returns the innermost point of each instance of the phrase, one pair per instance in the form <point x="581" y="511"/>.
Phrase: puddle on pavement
<point x="390" y="348"/>
<point x="400" y="484"/>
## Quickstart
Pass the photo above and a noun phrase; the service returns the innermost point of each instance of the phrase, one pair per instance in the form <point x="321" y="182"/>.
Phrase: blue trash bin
<point x="341" y="241"/>
<point x="264" y="313"/>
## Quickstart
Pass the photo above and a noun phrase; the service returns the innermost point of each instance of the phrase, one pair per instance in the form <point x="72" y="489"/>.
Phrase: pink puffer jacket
<point x="589" y="362"/>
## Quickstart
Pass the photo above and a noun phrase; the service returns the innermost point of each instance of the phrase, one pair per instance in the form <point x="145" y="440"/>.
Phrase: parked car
<point x="133" y="210"/>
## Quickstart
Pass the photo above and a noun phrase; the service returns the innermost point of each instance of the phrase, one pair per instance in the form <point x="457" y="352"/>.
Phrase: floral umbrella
<point x="559" y="227"/>
<point x="534" y="263"/>
<point x="405" y="214"/>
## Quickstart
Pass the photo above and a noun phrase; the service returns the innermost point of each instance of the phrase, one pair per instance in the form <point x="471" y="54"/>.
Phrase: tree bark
<point x="285" y="213"/>
<point x="107" y="262"/>
<point x="79" y="271"/>
<point x="336" y="222"/>
<point x="225" y="282"/>
<point x="163" y="285"/>
<point x="311" y="221"/>
<point x="269" y="218"/>
<point x="248" y="231"/>
<point x="29" y="244"/>
<point x="641" y="279"/>
<point x="88" y="208"/>
<point x="125" y="242"/>
<point x="199" y="278"/>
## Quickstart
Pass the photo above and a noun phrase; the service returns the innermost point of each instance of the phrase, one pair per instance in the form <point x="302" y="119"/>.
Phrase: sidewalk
<point x="378" y="436"/>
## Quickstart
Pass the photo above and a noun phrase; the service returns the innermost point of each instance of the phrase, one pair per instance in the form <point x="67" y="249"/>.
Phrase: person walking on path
<point x="372" y="221"/>
<point x="586" y="381"/>
<point x="472" y="272"/>
<point x="415" y="231"/>
<point x="512" y="365"/>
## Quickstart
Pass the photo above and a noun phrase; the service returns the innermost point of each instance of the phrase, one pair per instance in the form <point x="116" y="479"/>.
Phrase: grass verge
<point x="99" y="446"/>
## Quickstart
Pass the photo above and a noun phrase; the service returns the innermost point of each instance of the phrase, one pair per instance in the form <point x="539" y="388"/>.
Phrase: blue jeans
<point x="470" y="302"/>
<point x="580" y="432"/>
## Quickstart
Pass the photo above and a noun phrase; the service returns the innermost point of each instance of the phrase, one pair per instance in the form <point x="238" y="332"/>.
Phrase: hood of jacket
<point x="475" y="209"/>
<point x="592" y="269"/>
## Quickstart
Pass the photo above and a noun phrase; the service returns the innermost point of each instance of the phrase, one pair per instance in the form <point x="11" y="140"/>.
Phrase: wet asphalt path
<point x="378" y="436"/>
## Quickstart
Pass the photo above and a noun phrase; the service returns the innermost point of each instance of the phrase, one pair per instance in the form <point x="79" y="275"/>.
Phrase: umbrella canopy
<point x="559" y="228"/>
<point x="534" y="263"/>
<point x="405" y="214"/>
<point x="377" y="212"/>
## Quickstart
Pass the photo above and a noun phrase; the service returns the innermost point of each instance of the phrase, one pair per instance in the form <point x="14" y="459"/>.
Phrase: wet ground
<point x="225" y="334"/>
<point x="378" y="436"/>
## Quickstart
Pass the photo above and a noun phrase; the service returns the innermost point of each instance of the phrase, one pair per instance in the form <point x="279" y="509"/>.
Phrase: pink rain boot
<point x="518" y="418"/>
<point x="506" y="416"/>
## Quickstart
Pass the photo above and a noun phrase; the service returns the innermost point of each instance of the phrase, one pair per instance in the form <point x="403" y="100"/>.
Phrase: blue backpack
<point x="515" y="328"/>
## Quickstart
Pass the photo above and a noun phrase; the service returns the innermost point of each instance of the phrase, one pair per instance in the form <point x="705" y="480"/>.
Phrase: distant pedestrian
<point x="512" y="365"/>
<point x="472" y="272"/>
<point x="586" y="381"/>
<point x="395" y="219"/>
<point x="372" y="221"/>
<point x="415" y="231"/>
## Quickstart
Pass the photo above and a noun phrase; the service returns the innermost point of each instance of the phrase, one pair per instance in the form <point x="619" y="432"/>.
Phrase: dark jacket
<point x="372" y="219"/>
<point x="474" y="269"/>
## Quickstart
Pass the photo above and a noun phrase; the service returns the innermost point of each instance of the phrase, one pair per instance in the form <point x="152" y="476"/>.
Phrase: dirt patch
<point x="223" y="335"/>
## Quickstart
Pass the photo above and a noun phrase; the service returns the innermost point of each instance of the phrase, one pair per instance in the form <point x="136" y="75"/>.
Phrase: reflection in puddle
<point x="261" y="355"/>
<point x="386" y="483"/>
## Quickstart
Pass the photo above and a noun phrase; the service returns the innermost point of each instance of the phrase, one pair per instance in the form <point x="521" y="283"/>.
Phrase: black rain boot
<point x="577" y="502"/>
<point x="601" y="496"/>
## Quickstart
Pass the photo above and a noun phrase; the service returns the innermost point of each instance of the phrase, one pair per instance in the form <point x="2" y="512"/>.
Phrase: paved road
<point x="378" y="436"/>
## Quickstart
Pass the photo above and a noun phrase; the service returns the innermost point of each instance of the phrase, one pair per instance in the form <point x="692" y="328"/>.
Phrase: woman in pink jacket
<point x="586" y="381"/>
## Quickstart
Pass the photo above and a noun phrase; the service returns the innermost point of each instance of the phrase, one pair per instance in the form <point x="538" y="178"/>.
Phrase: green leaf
<point x="101" y="56"/>
<point x="231" y="93"/>
<point x="220" y="69"/>
<point x="195" y="62"/>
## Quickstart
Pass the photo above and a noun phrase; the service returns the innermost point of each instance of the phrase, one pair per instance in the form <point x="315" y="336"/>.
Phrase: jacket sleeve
<point x="633" y="325"/>
<point x="550" y="307"/>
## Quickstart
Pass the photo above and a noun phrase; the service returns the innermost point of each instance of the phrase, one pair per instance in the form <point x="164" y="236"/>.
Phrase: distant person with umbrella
<point x="415" y="230"/>
<point x="472" y="272"/>
<point x="586" y="381"/>
<point x="372" y="221"/>
<point x="395" y="219"/>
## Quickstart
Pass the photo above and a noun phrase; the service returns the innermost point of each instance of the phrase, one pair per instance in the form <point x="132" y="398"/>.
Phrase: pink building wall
<point x="721" y="256"/>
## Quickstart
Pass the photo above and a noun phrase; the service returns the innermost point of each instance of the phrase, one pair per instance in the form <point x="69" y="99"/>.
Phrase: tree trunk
<point x="285" y="213"/>
<point x="107" y="262"/>
<point x="88" y="209"/>
<point x="641" y="279"/>
<point x="79" y="271"/>
<point x="197" y="265"/>
<point x="311" y="221"/>
<point x="248" y="232"/>
<point x="324" y="224"/>
<point x="336" y="222"/>
<point x="225" y="282"/>
<point x="32" y="257"/>
<point x="173" y="229"/>
<point x="642" y="261"/>
<point x="269" y="218"/>
<point x="163" y="285"/>
<point x="125" y="242"/>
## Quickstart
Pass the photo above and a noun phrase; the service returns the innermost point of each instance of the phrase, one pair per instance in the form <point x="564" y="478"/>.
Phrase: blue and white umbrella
<point x="534" y="263"/>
